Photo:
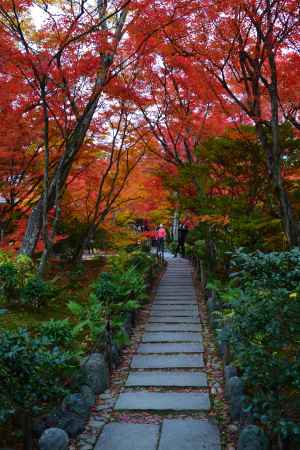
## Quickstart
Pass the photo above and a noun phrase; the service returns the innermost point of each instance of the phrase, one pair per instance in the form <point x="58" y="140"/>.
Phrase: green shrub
<point x="113" y="295"/>
<point x="266" y="335"/>
<point x="37" y="292"/>
<point x="4" y="257"/>
<point x="172" y="247"/>
<point x="8" y="281"/>
<point x="91" y="317"/>
<point x="60" y="332"/>
<point x="15" y="273"/>
<point x="32" y="371"/>
<point x="119" y="287"/>
<point x="140" y="261"/>
<point x="25" y="269"/>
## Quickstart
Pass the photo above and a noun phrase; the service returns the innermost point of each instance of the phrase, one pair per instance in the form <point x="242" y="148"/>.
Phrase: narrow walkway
<point x="167" y="376"/>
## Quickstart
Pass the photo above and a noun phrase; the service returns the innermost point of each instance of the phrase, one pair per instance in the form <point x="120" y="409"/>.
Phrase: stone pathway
<point x="167" y="376"/>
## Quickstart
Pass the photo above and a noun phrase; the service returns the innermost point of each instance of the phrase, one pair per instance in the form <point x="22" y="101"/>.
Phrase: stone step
<point x="167" y="361"/>
<point x="172" y="337"/>
<point x="178" y="291"/>
<point x="176" y="313"/>
<point x="173" y="327"/>
<point x="167" y="379"/>
<point x="163" y="302"/>
<point x="189" y="308"/>
<point x="174" y="319"/>
<point x="175" y="295"/>
<point x="188" y="347"/>
<point x="128" y="436"/>
<point x="163" y="401"/>
<point x="189" y="434"/>
<point x="174" y="308"/>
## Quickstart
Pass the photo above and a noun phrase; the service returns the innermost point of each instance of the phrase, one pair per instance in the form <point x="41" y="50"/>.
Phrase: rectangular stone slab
<point x="128" y="436"/>
<point x="174" y="307"/>
<point x="174" y="319"/>
<point x="177" y="313"/>
<point x="173" y="327"/>
<point x="175" y="292"/>
<point x="167" y="379"/>
<point x="189" y="434"/>
<point x="187" y="347"/>
<point x="172" y="337"/>
<point x="175" y="302"/>
<point x="172" y="289"/>
<point x="176" y="299"/>
<point x="167" y="361"/>
<point x="165" y="286"/>
<point x="163" y="401"/>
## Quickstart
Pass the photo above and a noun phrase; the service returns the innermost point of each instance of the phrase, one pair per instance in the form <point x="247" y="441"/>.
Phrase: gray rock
<point x="72" y="424"/>
<point x="66" y="420"/>
<point x="229" y="372"/>
<point x="235" y="396"/>
<point x="76" y="404"/>
<point x="88" y="395"/>
<point x="223" y="342"/>
<point x="96" y="372"/>
<point x="253" y="438"/>
<point x="54" y="439"/>
<point x="3" y="312"/>
<point x="115" y="355"/>
<point x="129" y="322"/>
<point x="211" y="305"/>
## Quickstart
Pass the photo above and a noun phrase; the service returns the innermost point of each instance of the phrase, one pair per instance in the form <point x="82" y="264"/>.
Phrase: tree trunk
<point x="75" y="139"/>
<point x="289" y="222"/>
<point x="73" y="146"/>
<point x="33" y="229"/>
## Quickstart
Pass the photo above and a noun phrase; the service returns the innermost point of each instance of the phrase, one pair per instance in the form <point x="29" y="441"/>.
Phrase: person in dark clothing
<point x="182" y="234"/>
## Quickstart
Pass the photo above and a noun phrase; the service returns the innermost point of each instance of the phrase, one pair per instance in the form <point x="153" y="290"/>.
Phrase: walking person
<point x="161" y="235"/>
<point x="182" y="234"/>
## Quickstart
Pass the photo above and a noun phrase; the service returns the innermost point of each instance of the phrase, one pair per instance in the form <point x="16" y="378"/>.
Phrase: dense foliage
<point x="116" y="293"/>
<point x="261" y="310"/>
<point x="21" y="284"/>
<point x="33" y="370"/>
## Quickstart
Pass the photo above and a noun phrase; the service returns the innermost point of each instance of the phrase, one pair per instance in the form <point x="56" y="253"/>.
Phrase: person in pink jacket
<point x="161" y="235"/>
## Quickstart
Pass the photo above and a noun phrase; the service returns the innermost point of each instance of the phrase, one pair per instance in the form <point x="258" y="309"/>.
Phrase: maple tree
<point x="183" y="74"/>
<point x="241" y="47"/>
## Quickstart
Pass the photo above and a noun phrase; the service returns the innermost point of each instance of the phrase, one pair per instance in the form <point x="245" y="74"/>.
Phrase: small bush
<point x="264" y="319"/>
<point x="60" y="332"/>
<point x="37" y="292"/>
<point x="8" y="281"/>
<point x="25" y="269"/>
<point x="32" y="371"/>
